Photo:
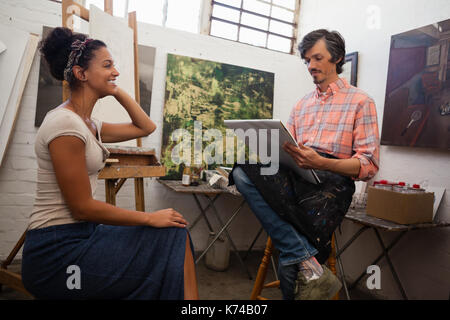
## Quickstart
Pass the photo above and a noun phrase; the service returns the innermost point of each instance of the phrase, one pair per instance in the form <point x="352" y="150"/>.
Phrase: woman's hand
<point x="167" y="218"/>
<point x="304" y="156"/>
<point x="140" y="126"/>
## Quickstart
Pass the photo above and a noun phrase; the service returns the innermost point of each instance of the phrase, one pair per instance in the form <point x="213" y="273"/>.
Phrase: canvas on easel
<point x="118" y="37"/>
<point x="15" y="64"/>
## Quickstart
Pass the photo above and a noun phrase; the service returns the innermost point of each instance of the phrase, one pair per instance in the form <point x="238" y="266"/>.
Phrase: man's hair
<point x="335" y="45"/>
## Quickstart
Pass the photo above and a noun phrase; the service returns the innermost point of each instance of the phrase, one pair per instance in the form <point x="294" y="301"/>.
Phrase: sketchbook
<point x="284" y="136"/>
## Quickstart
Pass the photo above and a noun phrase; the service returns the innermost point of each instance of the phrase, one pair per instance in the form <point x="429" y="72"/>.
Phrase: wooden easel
<point x="123" y="163"/>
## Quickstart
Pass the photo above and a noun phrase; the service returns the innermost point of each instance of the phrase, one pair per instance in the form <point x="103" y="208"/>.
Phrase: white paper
<point x="284" y="136"/>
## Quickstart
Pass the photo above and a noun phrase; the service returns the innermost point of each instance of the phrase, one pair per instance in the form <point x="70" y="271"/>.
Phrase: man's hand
<point x="308" y="158"/>
<point x="304" y="156"/>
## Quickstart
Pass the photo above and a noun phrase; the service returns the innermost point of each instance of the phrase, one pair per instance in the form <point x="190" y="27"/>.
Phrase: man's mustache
<point x="314" y="70"/>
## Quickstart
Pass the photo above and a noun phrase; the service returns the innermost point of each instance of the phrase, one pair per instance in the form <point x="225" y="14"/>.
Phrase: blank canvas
<point x="118" y="37"/>
<point x="15" y="42"/>
<point x="18" y="86"/>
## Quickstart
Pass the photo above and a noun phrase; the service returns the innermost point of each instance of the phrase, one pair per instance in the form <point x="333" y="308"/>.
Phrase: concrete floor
<point x="232" y="284"/>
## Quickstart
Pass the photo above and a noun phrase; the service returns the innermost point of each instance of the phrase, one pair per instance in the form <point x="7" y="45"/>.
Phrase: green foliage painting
<point x="207" y="92"/>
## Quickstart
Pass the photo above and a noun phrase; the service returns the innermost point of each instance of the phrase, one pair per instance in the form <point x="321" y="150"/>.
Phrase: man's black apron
<point x="315" y="210"/>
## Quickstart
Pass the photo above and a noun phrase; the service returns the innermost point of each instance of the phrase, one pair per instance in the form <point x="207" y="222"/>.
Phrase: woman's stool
<point x="262" y="270"/>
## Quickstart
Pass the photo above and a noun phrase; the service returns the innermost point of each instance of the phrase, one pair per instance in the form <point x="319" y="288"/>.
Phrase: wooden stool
<point x="262" y="271"/>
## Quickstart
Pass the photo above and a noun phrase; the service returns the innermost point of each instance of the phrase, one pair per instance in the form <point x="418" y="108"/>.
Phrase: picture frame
<point x="351" y="68"/>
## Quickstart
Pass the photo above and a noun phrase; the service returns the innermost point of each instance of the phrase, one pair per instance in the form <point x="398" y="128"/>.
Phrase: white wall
<point x="18" y="175"/>
<point x="422" y="258"/>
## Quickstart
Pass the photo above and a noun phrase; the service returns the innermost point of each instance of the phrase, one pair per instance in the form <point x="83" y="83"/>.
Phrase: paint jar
<point x="195" y="174"/>
<point x="383" y="184"/>
<point x="186" y="178"/>
<point x="400" y="187"/>
<point x="218" y="256"/>
<point x="416" y="189"/>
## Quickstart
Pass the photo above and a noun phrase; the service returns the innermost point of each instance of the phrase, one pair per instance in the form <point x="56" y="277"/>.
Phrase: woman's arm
<point x="69" y="162"/>
<point x="140" y="126"/>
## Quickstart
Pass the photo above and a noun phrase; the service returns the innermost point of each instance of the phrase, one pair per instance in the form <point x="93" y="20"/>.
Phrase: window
<point x="177" y="14"/>
<point x="270" y="24"/>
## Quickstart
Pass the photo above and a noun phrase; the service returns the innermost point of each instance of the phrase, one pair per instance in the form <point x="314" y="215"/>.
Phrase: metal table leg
<point x="228" y="235"/>
<point x="253" y="243"/>
<point x="203" y="213"/>
<point x="341" y="270"/>
<point x="379" y="258"/>
<point x="394" y="273"/>
<point x="224" y="229"/>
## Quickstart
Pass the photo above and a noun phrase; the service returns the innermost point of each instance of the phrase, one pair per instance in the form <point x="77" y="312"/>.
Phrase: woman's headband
<point x="77" y="47"/>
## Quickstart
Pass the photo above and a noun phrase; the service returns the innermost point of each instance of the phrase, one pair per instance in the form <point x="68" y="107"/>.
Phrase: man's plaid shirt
<point x="341" y="122"/>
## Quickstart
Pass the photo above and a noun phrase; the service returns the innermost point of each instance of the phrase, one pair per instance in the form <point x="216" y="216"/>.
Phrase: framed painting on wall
<point x="199" y="95"/>
<point x="350" y="68"/>
<point x="417" y="103"/>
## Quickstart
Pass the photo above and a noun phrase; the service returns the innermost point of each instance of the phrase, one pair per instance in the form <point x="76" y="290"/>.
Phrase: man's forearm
<point x="347" y="167"/>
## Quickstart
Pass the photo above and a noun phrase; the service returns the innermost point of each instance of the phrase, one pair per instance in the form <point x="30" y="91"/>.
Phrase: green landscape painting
<point x="204" y="93"/>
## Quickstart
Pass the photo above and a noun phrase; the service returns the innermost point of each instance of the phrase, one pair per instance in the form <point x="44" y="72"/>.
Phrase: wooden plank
<point x="116" y="172"/>
<point x="132" y="23"/>
<point x="139" y="194"/>
<point x="13" y="280"/>
<point x="130" y="150"/>
<point x="134" y="160"/>
<point x="108" y="4"/>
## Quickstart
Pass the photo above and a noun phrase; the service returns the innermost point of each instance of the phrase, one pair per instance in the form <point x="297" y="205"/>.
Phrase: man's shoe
<point x="323" y="288"/>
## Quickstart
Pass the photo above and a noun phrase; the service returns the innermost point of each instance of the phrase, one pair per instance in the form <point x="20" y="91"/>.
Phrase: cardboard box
<point x="402" y="208"/>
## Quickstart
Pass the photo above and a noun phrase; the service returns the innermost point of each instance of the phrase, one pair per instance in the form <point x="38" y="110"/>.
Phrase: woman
<point x="77" y="247"/>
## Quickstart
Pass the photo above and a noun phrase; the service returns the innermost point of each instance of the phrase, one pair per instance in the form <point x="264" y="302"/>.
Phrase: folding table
<point x="369" y="222"/>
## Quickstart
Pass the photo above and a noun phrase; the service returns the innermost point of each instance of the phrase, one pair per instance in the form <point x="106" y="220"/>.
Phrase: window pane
<point x="278" y="43"/>
<point x="281" y="28"/>
<point x="282" y="14"/>
<point x="148" y="11"/>
<point x="253" y="37"/>
<point x="183" y="15"/>
<point x="234" y="3"/>
<point x="257" y="6"/>
<point x="225" y="13"/>
<point x="224" y="30"/>
<point x="290" y="4"/>
<point x="254" y="21"/>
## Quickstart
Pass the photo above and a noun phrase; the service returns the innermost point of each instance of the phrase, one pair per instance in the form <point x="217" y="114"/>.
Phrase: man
<point x="336" y="129"/>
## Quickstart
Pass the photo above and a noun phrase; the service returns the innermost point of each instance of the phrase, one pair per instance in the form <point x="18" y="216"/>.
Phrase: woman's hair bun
<point x="56" y="47"/>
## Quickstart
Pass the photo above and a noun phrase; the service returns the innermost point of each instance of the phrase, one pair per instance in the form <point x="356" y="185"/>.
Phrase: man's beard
<point x="316" y="81"/>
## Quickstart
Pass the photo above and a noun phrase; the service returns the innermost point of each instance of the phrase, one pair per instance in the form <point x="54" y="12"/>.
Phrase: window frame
<point x="241" y="10"/>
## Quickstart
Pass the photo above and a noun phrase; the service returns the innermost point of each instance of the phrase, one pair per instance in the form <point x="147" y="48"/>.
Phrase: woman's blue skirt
<point x="95" y="261"/>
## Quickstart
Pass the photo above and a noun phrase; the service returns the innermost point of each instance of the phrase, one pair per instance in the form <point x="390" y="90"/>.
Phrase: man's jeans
<point x="293" y="246"/>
